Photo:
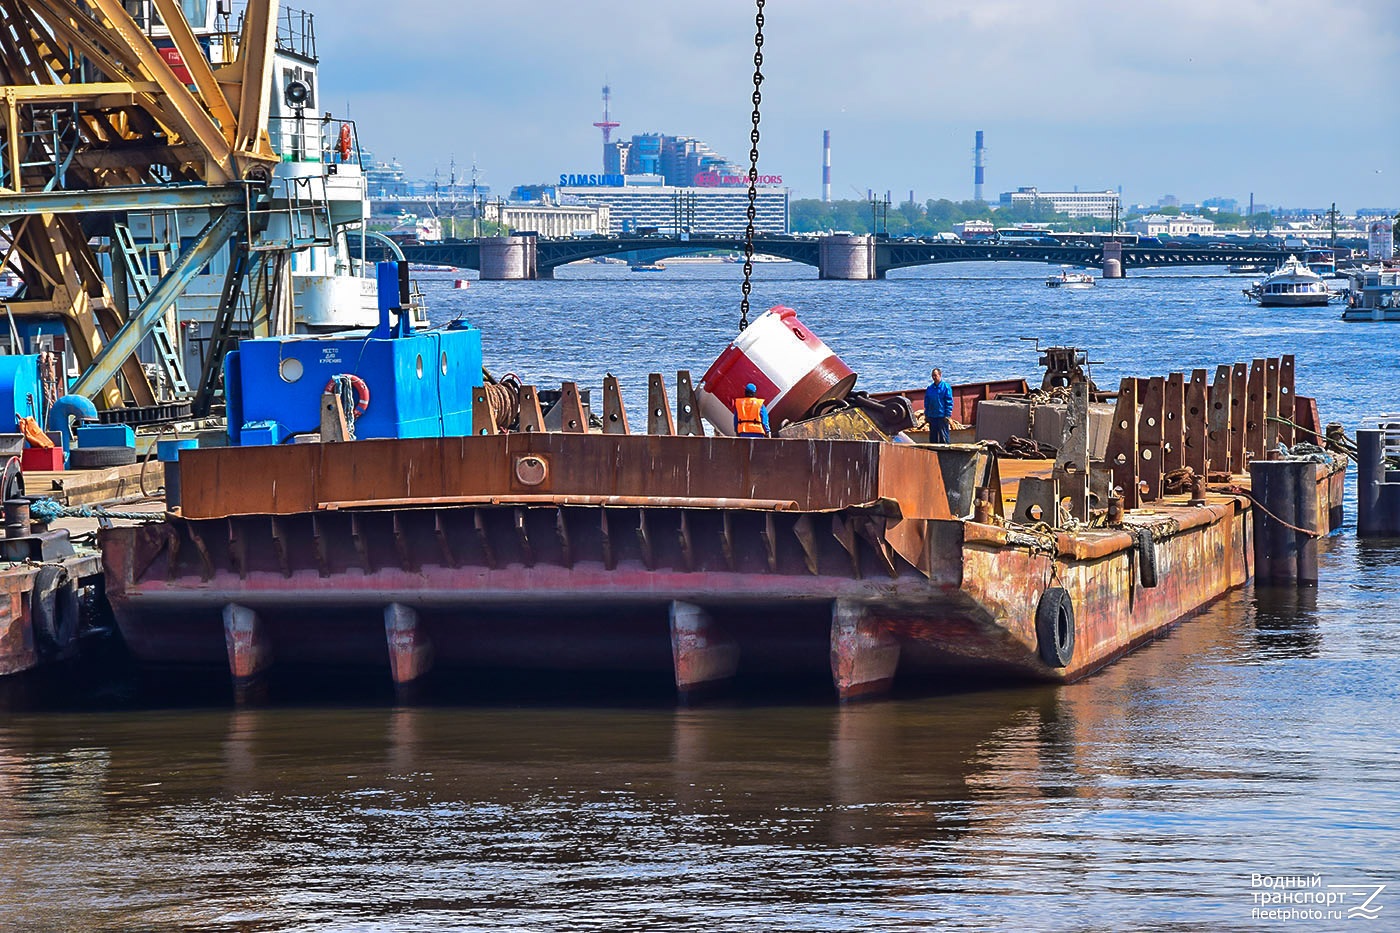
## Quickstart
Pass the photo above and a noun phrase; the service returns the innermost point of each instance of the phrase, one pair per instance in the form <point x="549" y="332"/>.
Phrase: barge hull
<point x="788" y="581"/>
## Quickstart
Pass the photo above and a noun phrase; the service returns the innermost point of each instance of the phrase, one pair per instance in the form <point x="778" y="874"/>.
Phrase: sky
<point x="1293" y="101"/>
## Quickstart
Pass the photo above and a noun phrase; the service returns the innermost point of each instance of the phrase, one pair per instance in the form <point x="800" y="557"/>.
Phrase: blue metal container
<point x="418" y="384"/>
<point x="19" y="391"/>
<point x="105" y="435"/>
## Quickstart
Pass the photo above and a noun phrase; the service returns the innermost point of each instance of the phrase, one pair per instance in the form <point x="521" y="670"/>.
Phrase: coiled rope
<point x="503" y="398"/>
<point x="50" y="510"/>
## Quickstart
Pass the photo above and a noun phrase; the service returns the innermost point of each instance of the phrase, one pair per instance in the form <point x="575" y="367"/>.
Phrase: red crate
<point x="41" y="458"/>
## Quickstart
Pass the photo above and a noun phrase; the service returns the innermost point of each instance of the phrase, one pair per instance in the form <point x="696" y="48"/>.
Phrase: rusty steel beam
<point x="679" y="502"/>
<point x="1150" y="439"/>
<point x="834" y="474"/>
<point x="1196" y="422"/>
<point x="1218" y="422"/>
<point x="687" y="409"/>
<point x="1239" y="416"/>
<point x="1173" y="431"/>
<point x="531" y="418"/>
<point x="614" y="411"/>
<point x="571" y="410"/>
<point x="1270" y="405"/>
<point x="659" y="419"/>
<point x="483" y="419"/>
<point x="1285" y="400"/>
<point x="1123" y="443"/>
<point x="1254" y="413"/>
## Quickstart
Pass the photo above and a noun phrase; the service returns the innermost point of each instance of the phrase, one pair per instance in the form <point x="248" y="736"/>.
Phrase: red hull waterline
<point x="420" y="555"/>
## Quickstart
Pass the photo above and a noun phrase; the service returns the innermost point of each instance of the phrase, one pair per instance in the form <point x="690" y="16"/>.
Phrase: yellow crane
<point x="113" y="106"/>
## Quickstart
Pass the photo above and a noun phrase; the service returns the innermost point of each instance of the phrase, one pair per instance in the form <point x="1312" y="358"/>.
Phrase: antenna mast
<point x="607" y="124"/>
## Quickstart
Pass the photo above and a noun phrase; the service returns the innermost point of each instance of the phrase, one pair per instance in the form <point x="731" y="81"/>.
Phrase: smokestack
<point x="978" y="168"/>
<point x="826" y="166"/>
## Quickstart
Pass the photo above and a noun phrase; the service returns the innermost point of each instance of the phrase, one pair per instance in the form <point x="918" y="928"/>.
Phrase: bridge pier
<point x="509" y="258"/>
<point x="1113" y="260"/>
<point x="847" y="257"/>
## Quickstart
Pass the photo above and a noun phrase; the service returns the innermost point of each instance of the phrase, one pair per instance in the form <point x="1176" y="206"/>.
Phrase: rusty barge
<point x="513" y="547"/>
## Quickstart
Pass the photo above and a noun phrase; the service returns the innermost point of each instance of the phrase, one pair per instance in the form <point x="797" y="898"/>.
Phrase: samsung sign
<point x="591" y="181"/>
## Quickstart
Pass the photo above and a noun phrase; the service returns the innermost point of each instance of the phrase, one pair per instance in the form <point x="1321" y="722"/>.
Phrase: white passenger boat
<point x="1291" y="285"/>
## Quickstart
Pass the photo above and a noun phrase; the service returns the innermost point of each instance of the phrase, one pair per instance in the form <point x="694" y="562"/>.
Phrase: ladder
<point x="135" y="260"/>
<point x="223" y="338"/>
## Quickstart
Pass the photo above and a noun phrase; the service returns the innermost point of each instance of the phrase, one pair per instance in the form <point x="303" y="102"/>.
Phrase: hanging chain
<point x="753" y="164"/>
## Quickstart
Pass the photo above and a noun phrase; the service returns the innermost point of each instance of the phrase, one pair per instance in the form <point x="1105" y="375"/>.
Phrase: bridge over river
<point x="836" y="256"/>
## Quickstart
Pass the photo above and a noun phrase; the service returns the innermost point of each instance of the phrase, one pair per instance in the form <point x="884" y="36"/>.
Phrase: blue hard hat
<point x="751" y="388"/>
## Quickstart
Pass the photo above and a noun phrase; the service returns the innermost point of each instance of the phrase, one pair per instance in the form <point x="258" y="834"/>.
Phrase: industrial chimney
<point x="826" y="166"/>
<point x="977" y="168"/>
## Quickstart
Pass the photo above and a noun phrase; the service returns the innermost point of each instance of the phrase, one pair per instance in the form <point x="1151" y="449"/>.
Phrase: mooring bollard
<point x="1377" y="488"/>
<point x="1285" y="521"/>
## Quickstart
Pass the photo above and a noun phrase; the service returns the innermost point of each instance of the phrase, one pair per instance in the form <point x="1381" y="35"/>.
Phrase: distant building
<point x="550" y="220"/>
<point x="384" y="179"/>
<point x="1172" y="225"/>
<point x="677" y="159"/>
<point x="1100" y="204"/>
<point x="1228" y="205"/>
<point x="1169" y="200"/>
<point x="675" y="209"/>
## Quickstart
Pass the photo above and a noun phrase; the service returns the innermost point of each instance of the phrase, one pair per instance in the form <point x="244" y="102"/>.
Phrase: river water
<point x="1256" y="740"/>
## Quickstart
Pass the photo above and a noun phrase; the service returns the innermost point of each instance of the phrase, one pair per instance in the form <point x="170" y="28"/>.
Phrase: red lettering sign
<point x="716" y="180"/>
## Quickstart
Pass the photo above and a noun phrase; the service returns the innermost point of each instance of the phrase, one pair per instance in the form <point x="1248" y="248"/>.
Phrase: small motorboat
<point x="1067" y="279"/>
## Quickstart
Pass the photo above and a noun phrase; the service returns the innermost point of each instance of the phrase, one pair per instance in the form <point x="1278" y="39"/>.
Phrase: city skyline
<point x="1192" y="100"/>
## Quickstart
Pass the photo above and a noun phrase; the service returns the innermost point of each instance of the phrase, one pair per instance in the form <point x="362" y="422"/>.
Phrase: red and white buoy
<point x="790" y="366"/>
<point x="462" y="283"/>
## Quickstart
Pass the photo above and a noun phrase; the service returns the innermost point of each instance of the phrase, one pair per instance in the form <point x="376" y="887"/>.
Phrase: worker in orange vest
<point x="750" y="414"/>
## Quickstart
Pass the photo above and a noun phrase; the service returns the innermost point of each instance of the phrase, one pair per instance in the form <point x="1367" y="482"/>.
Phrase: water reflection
<point x="1285" y="622"/>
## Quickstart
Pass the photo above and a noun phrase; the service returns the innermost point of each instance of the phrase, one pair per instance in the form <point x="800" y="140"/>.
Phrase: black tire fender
<point x="88" y="458"/>
<point x="54" y="611"/>
<point x="1054" y="627"/>
<point x="1146" y="549"/>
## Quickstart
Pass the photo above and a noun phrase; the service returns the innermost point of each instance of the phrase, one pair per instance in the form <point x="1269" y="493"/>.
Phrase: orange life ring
<point x="361" y="392"/>
<point x="345" y="142"/>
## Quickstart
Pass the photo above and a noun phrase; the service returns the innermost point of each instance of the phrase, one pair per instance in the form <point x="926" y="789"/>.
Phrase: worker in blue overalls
<point x="938" y="408"/>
